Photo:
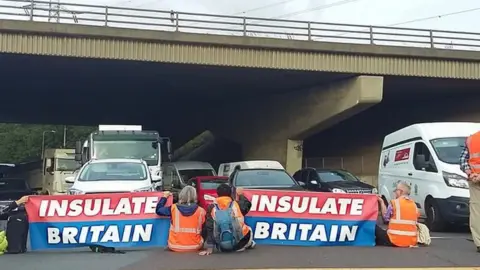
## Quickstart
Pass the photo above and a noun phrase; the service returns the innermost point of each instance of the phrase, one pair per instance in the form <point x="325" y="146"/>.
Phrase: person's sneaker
<point x="252" y="245"/>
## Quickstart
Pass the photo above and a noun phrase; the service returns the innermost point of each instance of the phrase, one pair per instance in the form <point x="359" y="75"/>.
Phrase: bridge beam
<point x="274" y="127"/>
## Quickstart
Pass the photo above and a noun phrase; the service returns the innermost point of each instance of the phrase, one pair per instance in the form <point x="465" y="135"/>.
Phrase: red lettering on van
<point x="402" y="154"/>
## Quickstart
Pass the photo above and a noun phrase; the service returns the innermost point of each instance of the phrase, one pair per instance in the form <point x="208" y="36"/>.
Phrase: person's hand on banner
<point x="167" y="194"/>
<point x="22" y="200"/>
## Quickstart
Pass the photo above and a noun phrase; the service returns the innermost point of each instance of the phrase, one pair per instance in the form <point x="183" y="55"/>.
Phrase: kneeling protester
<point x="225" y="224"/>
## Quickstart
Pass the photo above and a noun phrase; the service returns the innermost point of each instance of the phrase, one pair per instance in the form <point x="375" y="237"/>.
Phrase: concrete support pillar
<point x="288" y="152"/>
<point x="275" y="127"/>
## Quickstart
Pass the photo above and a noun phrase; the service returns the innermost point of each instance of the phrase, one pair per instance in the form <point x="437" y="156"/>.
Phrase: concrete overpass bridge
<point x="182" y="76"/>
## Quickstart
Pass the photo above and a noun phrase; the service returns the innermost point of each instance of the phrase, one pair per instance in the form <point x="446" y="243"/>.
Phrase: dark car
<point x="331" y="180"/>
<point x="263" y="178"/>
<point x="12" y="189"/>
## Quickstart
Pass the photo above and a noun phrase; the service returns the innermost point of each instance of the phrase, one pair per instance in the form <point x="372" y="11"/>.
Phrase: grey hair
<point x="406" y="186"/>
<point x="187" y="195"/>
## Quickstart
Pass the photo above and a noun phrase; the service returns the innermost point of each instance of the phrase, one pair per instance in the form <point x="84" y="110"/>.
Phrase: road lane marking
<point x="372" y="268"/>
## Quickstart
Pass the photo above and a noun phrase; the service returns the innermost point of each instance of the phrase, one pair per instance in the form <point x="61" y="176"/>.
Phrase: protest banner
<point x="312" y="218"/>
<point x="113" y="220"/>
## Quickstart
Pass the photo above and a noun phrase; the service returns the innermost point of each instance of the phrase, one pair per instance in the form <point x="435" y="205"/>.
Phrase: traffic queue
<point x="207" y="209"/>
<point x="115" y="202"/>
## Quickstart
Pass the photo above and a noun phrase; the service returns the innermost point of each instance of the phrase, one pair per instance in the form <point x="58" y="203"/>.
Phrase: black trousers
<point x="381" y="237"/>
<point x="244" y="241"/>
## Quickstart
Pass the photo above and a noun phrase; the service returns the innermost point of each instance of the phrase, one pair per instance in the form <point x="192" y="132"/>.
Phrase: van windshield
<point x="449" y="149"/>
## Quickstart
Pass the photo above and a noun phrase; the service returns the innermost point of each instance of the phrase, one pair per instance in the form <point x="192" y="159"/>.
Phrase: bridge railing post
<point x="372" y="41"/>
<point x="309" y="25"/>
<point x="177" y="24"/>
<point x="432" y="42"/>
<point x="244" y="26"/>
<point x="106" y="15"/>
<point x="31" y="10"/>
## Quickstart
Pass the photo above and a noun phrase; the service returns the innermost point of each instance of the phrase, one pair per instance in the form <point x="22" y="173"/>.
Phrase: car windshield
<point x="113" y="171"/>
<point x="263" y="177"/>
<point x="212" y="183"/>
<point x="449" y="149"/>
<point x="336" y="176"/>
<point x="189" y="174"/>
<point x="127" y="149"/>
<point x="12" y="185"/>
<point x="64" y="164"/>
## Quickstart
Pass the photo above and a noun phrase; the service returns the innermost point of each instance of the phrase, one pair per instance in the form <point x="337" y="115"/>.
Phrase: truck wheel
<point x="434" y="221"/>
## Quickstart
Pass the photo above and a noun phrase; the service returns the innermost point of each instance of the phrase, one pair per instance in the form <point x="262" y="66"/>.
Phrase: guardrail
<point x="162" y="20"/>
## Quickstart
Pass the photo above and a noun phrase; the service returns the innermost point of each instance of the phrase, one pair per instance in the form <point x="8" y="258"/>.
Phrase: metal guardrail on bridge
<point x="162" y="20"/>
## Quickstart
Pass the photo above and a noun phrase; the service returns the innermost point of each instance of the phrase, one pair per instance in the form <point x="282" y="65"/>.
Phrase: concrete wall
<point x="362" y="135"/>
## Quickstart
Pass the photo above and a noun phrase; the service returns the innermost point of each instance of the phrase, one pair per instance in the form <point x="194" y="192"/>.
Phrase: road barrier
<point x="129" y="219"/>
<point x="163" y="20"/>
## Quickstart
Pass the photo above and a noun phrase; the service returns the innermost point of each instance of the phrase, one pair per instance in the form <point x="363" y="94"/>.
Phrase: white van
<point x="226" y="169"/>
<point x="177" y="173"/>
<point x="427" y="156"/>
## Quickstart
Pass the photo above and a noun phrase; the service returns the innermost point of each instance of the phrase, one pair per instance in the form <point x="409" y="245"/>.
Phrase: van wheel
<point x="434" y="219"/>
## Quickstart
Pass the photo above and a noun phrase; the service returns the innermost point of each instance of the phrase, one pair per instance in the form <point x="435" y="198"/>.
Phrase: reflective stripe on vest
<point x="186" y="247"/>
<point x="178" y="229"/>
<point x="397" y="220"/>
<point x="191" y="237"/>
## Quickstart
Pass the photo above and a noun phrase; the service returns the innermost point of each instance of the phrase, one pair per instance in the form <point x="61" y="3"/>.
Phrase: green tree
<point x="20" y="142"/>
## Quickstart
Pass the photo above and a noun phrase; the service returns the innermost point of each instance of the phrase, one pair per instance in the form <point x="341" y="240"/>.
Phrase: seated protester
<point x="5" y="211"/>
<point x="402" y="214"/>
<point x="225" y="226"/>
<point x="186" y="222"/>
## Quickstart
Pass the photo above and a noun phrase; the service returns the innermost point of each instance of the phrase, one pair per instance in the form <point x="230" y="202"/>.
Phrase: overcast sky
<point x="372" y="12"/>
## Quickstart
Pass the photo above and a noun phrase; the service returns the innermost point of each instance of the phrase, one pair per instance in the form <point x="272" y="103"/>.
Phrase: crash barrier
<point x="129" y="220"/>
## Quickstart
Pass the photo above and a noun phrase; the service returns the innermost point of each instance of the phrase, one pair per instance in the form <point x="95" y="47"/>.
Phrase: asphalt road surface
<point x="453" y="249"/>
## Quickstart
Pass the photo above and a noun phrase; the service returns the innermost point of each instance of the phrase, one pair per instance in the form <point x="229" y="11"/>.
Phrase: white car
<point x="111" y="176"/>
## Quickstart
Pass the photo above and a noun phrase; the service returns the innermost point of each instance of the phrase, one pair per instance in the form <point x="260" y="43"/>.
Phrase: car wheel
<point x="434" y="219"/>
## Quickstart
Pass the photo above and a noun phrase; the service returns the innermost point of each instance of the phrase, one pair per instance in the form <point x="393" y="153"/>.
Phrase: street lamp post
<point x="43" y="140"/>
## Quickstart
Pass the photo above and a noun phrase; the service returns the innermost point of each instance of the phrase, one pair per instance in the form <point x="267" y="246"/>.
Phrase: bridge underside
<point x="273" y="108"/>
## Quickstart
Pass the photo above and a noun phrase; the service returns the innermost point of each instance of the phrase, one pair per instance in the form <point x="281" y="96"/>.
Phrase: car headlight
<point x="455" y="180"/>
<point x="338" y="190"/>
<point x="208" y="197"/>
<point x="374" y="190"/>
<point x="145" y="189"/>
<point x="74" y="191"/>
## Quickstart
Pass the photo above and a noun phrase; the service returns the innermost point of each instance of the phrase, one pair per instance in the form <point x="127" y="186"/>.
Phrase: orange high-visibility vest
<point x="223" y="203"/>
<point x="402" y="228"/>
<point x="186" y="231"/>
<point x="473" y="146"/>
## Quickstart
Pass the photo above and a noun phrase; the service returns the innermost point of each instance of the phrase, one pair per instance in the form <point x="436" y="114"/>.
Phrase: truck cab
<point x="128" y="142"/>
<point x="47" y="176"/>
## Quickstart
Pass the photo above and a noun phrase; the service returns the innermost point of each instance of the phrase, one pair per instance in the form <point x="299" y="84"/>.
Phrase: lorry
<point x="125" y="141"/>
<point x="47" y="175"/>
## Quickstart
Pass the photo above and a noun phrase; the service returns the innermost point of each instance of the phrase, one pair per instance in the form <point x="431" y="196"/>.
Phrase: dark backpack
<point x="227" y="228"/>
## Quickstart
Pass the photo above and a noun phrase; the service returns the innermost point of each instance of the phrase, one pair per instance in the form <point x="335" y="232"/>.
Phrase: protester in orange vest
<point x="225" y="226"/>
<point x="187" y="220"/>
<point x="402" y="214"/>
<point x="470" y="165"/>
